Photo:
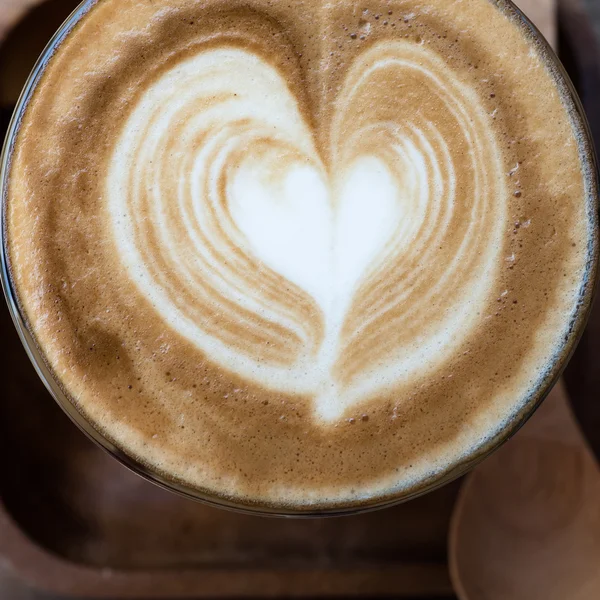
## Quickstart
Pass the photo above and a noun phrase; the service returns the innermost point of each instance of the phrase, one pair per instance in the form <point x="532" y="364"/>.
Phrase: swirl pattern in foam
<point x="303" y="254"/>
<point x="283" y="265"/>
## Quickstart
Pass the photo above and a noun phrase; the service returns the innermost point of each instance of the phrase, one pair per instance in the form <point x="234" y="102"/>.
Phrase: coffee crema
<point x="302" y="255"/>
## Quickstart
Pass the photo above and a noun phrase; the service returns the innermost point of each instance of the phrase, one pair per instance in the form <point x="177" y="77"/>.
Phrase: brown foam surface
<point x="444" y="334"/>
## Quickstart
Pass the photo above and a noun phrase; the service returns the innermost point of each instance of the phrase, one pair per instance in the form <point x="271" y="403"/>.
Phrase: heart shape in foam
<point x="320" y="235"/>
<point x="335" y="274"/>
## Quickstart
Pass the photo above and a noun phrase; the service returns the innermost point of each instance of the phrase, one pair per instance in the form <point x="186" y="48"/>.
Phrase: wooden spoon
<point x="527" y="521"/>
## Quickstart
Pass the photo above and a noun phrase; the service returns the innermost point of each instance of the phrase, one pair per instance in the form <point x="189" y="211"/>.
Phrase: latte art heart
<point x="283" y="258"/>
<point x="321" y="238"/>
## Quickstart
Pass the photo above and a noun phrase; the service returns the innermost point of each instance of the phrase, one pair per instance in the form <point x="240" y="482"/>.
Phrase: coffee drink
<point x="303" y="255"/>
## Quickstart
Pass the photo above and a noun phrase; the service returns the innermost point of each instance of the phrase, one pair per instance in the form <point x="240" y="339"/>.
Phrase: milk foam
<point x="252" y="181"/>
<point x="301" y="255"/>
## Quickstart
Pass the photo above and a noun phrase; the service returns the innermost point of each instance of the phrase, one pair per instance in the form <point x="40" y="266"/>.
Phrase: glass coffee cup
<point x="461" y="465"/>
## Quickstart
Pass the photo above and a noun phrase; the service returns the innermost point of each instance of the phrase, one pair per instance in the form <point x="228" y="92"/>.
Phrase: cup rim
<point x="454" y="470"/>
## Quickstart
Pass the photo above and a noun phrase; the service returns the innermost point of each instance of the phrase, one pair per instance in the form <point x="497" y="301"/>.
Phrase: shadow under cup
<point x="545" y="382"/>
